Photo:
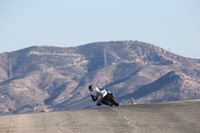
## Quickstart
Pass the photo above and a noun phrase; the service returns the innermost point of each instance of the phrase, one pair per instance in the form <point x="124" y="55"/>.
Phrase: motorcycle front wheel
<point x="113" y="100"/>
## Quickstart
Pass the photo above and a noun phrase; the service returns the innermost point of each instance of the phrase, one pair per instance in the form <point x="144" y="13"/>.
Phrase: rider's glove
<point x="108" y="91"/>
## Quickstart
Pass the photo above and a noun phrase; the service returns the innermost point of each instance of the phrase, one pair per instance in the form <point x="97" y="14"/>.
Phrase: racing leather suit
<point x="95" y="94"/>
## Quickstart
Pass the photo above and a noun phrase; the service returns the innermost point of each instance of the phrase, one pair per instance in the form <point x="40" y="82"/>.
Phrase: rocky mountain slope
<point x="57" y="78"/>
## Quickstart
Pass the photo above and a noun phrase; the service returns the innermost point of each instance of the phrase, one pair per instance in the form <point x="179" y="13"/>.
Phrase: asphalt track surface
<point x="174" y="117"/>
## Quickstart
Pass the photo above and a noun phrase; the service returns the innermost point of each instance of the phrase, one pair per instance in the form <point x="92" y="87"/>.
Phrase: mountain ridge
<point x="57" y="78"/>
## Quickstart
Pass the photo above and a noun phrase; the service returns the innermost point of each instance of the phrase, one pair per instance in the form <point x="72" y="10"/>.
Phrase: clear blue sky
<point x="173" y="24"/>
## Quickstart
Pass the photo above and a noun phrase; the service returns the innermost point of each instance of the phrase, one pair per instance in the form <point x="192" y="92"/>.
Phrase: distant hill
<point x="57" y="78"/>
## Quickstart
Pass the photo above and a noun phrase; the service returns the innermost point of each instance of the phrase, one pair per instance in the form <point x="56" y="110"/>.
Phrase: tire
<point x="114" y="101"/>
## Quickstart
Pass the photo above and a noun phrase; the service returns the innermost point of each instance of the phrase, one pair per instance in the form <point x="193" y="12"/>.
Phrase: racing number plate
<point x="104" y="93"/>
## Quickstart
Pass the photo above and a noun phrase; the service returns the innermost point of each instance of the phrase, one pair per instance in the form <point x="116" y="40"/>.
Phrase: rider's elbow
<point x="94" y="98"/>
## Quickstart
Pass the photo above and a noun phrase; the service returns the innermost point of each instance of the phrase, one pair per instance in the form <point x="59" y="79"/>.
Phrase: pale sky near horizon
<point x="169" y="24"/>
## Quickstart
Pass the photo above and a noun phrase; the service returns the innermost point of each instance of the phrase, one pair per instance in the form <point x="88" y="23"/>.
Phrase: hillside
<point x="57" y="78"/>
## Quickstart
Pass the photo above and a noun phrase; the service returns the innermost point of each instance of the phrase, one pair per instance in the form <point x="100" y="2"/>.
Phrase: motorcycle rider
<point x="95" y="92"/>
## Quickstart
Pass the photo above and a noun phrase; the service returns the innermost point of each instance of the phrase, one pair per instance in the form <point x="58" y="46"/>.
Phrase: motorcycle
<point x="107" y="98"/>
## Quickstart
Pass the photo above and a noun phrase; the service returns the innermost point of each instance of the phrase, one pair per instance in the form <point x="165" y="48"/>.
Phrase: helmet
<point x="90" y="87"/>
